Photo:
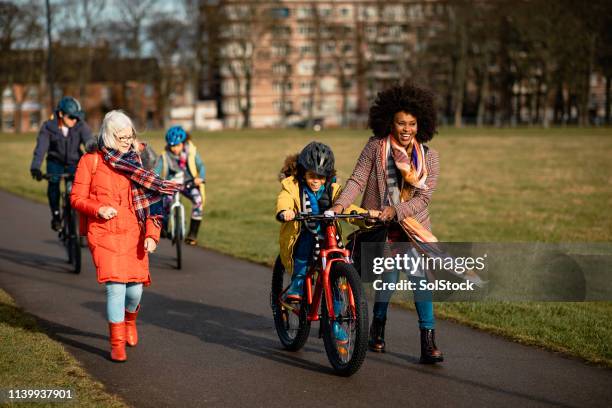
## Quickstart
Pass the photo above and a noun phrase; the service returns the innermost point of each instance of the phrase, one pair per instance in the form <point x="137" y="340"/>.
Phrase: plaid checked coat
<point x="370" y="177"/>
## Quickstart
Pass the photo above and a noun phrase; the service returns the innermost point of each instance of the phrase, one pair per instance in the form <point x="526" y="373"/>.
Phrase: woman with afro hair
<point x="397" y="174"/>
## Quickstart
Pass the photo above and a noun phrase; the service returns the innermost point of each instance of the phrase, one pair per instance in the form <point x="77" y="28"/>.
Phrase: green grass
<point x="31" y="359"/>
<point x="496" y="185"/>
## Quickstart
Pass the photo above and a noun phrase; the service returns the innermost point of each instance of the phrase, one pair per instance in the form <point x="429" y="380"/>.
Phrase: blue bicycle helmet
<point x="175" y="135"/>
<point x="71" y="107"/>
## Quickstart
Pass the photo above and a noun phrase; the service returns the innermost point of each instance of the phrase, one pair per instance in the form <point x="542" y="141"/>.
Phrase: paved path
<point x="207" y="339"/>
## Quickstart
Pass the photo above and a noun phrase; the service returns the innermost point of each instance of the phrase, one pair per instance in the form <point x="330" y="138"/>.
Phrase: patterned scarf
<point x="311" y="205"/>
<point x="147" y="187"/>
<point x="411" y="164"/>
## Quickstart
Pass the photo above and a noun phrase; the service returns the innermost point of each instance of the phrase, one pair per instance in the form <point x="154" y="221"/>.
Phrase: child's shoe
<point x="295" y="291"/>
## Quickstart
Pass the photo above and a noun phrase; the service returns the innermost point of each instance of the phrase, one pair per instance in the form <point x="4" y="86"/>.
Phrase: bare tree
<point x="247" y="28"/>
<point x="21" y="30"/>
<point x="167" y="36"/>
<point x="340" y="40"/>
<point x="83" y="20"/>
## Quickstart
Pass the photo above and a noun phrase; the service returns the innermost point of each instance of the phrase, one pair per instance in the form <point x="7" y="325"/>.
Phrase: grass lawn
<point x="30" y="358"/>
<point x="496" y="185"/>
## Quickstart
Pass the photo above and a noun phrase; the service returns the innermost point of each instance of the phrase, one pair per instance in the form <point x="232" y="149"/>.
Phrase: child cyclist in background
<point x="180" y="155"/>
<point x="308" y="186"/>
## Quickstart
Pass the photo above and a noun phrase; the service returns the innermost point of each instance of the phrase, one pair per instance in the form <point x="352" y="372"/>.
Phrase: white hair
<point x="114" y="122"/>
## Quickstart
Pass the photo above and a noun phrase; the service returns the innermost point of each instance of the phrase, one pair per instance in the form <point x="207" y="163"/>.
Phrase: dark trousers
<point x="53" y="189"/>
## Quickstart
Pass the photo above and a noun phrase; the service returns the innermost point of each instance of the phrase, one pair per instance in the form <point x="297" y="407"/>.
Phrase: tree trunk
<point x="2" y="88"/>
<point x="460" y="70"/>
<point x="608" y="94"/>
<point x="584" y="93"/>
<point x="548" y="106"/>
<point x="538" y="104"/>
<point x="246" y="112"/>
<point x="345" y="92"/>
<point x="482" y="98"/>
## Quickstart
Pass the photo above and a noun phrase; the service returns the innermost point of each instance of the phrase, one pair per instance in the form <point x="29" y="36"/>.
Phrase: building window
<point x="306" y="85"/>
<point x="278" y="86"/>
<point x="279" y="31"/>
<point x="306" y="67"/>
<point x="304" y="12"/>
<point x="280" y="68"/>
<point x="148" y="91"/>
<point x="306" y="49"/>
<point x="325" y="12"/>
<point x="280" y="50"/>
<point x="34" y="119"/>
<point x="9" y="122"/>
<point x="280" y="12"/>
<point x="33" y="93"/>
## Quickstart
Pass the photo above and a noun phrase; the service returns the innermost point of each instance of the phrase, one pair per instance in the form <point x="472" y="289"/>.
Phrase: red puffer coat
<point x="117" y="245"/>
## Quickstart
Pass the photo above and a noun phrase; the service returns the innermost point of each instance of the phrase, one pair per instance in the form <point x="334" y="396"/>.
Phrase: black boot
<point x="377" y="335"/>
<point x="192" y="237"/>
<point x="429" y="352"/>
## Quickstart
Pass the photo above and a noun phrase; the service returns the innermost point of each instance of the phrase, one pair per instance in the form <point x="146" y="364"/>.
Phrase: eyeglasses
<point x="124" y="139"/>
<point x="72" y="117"/>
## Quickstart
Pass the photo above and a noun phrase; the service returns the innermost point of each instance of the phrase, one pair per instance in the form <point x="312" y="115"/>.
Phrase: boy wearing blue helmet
<point x="59" y="140"/>
<point x="181" y="156"/>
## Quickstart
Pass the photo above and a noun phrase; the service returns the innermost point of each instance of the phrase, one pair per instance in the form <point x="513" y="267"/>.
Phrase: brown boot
<point x="429" y="352"/>
<point x="377" y="335"/>
<point x="117" y="341"/>
<point x="131" y="334"/>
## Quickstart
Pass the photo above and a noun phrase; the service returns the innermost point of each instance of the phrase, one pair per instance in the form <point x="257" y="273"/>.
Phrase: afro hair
<point x="418" y="102"/>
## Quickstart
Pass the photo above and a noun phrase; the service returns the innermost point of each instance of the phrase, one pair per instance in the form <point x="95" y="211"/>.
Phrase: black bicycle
<point x="69" y="231"/>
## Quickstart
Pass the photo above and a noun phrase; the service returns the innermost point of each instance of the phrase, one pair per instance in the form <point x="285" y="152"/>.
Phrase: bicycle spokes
<point x="343" y="327"/>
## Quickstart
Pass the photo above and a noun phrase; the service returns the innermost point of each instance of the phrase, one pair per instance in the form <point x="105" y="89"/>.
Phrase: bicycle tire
<point x="359" y="336"/>
<point x="282" y="315"/>
<point x="178" y="239"/>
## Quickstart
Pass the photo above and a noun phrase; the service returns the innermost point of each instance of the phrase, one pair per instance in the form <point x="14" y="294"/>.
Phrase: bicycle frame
<point x="322" y="286"/>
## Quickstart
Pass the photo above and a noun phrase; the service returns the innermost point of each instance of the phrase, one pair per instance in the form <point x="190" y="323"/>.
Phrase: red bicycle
<point x="333" y="294"/>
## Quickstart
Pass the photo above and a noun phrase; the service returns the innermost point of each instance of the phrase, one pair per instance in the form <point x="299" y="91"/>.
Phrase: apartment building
<point x="286" y="61"/>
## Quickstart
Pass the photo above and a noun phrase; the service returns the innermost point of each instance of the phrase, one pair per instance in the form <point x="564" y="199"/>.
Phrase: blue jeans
<point x="302" y="254"/>
<point x="119" y="297"/>
<point x="53" y="188"/>
<point x="422" y="303"/>
<point x="424" y="308"/>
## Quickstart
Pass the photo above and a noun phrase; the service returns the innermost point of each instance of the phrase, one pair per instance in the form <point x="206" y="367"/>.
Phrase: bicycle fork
<point x="176" y="206"/>
<point x="323" y="288"/>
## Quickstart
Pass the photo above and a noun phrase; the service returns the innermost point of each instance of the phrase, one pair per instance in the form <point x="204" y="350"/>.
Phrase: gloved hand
<point x="329" y="213"/>
<point x="36" y="174"/>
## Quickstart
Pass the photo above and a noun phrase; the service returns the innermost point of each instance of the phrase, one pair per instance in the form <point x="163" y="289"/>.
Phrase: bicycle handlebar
<point x="322" y="217"/>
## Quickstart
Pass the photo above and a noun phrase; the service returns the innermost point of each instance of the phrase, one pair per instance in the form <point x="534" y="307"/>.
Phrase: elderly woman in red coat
<point x="121" y="204"/>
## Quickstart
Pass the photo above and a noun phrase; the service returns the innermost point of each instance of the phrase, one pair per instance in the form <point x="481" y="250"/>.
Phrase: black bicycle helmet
<point x="318" y="158"/>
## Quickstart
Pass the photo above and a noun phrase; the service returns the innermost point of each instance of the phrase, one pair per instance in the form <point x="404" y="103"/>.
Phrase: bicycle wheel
<point x="73" y="243"/>
<point x="345" y="344"/>
<point x="178" y="238"/>
<point x="290" y="322"/>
